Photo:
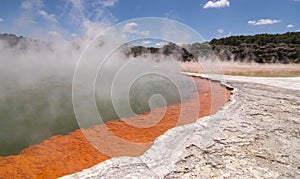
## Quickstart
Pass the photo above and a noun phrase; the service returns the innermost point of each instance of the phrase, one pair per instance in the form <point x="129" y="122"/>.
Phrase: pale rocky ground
<point x="256" y="135"/>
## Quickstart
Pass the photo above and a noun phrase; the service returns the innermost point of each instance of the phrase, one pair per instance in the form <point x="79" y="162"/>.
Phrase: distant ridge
<point x="11" y="39"/>
<point x="260" y="48"/>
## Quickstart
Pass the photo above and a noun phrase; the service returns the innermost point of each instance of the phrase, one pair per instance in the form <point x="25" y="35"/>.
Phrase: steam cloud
<point x="36" y="87"/>
<point x="37" y="76"/>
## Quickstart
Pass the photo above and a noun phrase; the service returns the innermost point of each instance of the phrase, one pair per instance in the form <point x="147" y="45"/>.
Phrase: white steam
<point x="36" y="86"/>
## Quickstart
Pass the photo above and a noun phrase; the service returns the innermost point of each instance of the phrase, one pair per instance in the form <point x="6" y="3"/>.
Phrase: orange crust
<point x="62" y="155"/>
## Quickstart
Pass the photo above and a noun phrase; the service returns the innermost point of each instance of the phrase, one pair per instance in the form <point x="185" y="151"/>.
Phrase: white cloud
<point x="221" y="31"/>
<point x="92" y="17"/>
<point x="29" y="10"/>
<point x="81" y="10"/>
<point x="54" y="34"/>
<point x="1" y="20"/>
<point x="145" y="42"/>
<point x="45" y="15"/>
<point x="298" y="30"/>
<point x="161" y="43"/>
<point x="74" y="35"/>
<point x="130" y="28"/>
<point x="26" y="5"/>
<point x="217" y="4"/>
<point x="146" y="32"/>
<point x="290" y="26"/>
<point x="24" y="21"/>
<point x="172" y="15"/>
<point x="264" y="22"/>
<point x="30" y="5"/>
<point x="109" y="3"/>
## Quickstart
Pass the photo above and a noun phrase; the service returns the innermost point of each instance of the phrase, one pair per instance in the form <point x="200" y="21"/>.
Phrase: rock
<point x="62" y="155"/>
<point x="251" y="139"/>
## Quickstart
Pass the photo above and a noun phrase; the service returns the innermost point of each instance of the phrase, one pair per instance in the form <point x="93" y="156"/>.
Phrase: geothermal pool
<point x="68" y="152"/>
<point x="33" y="114"/>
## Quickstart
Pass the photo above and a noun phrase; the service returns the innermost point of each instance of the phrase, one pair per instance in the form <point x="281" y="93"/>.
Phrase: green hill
<point x="261" y="48"/>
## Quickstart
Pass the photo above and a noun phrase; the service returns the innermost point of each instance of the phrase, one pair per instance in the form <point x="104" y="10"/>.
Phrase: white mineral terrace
<point x="255" y="135"/>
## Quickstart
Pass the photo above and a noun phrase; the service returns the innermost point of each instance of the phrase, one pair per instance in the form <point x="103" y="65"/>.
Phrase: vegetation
<point x="264" y="73"/>
<point x="260" y="39"/>
<point x="171" y="49"/>
<point x="262" y="48"/>
<point x="11" y="40"/>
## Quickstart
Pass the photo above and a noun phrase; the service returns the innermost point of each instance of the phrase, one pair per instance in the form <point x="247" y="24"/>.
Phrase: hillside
<point x="177" y="52"/>
<point x="10" y="40"/>
<point x="262" y="48"/>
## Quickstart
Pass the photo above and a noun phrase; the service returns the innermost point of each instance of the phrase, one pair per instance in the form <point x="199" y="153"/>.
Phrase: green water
<point x="30" y="115"/>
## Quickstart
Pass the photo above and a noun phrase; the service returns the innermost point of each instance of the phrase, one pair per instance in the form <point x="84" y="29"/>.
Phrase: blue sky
<point x="212" y="19"/>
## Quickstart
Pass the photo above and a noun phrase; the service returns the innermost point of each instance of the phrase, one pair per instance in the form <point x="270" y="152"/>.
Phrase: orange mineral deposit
<point x="62" y="155"/>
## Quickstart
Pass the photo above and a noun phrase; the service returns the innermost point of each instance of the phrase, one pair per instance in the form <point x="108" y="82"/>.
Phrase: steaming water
<point x="36" y="101"/>
<point x="28" y="117"/>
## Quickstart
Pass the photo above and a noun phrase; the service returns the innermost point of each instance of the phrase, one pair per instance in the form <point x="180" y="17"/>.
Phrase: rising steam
<point x="37" y="77"/>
